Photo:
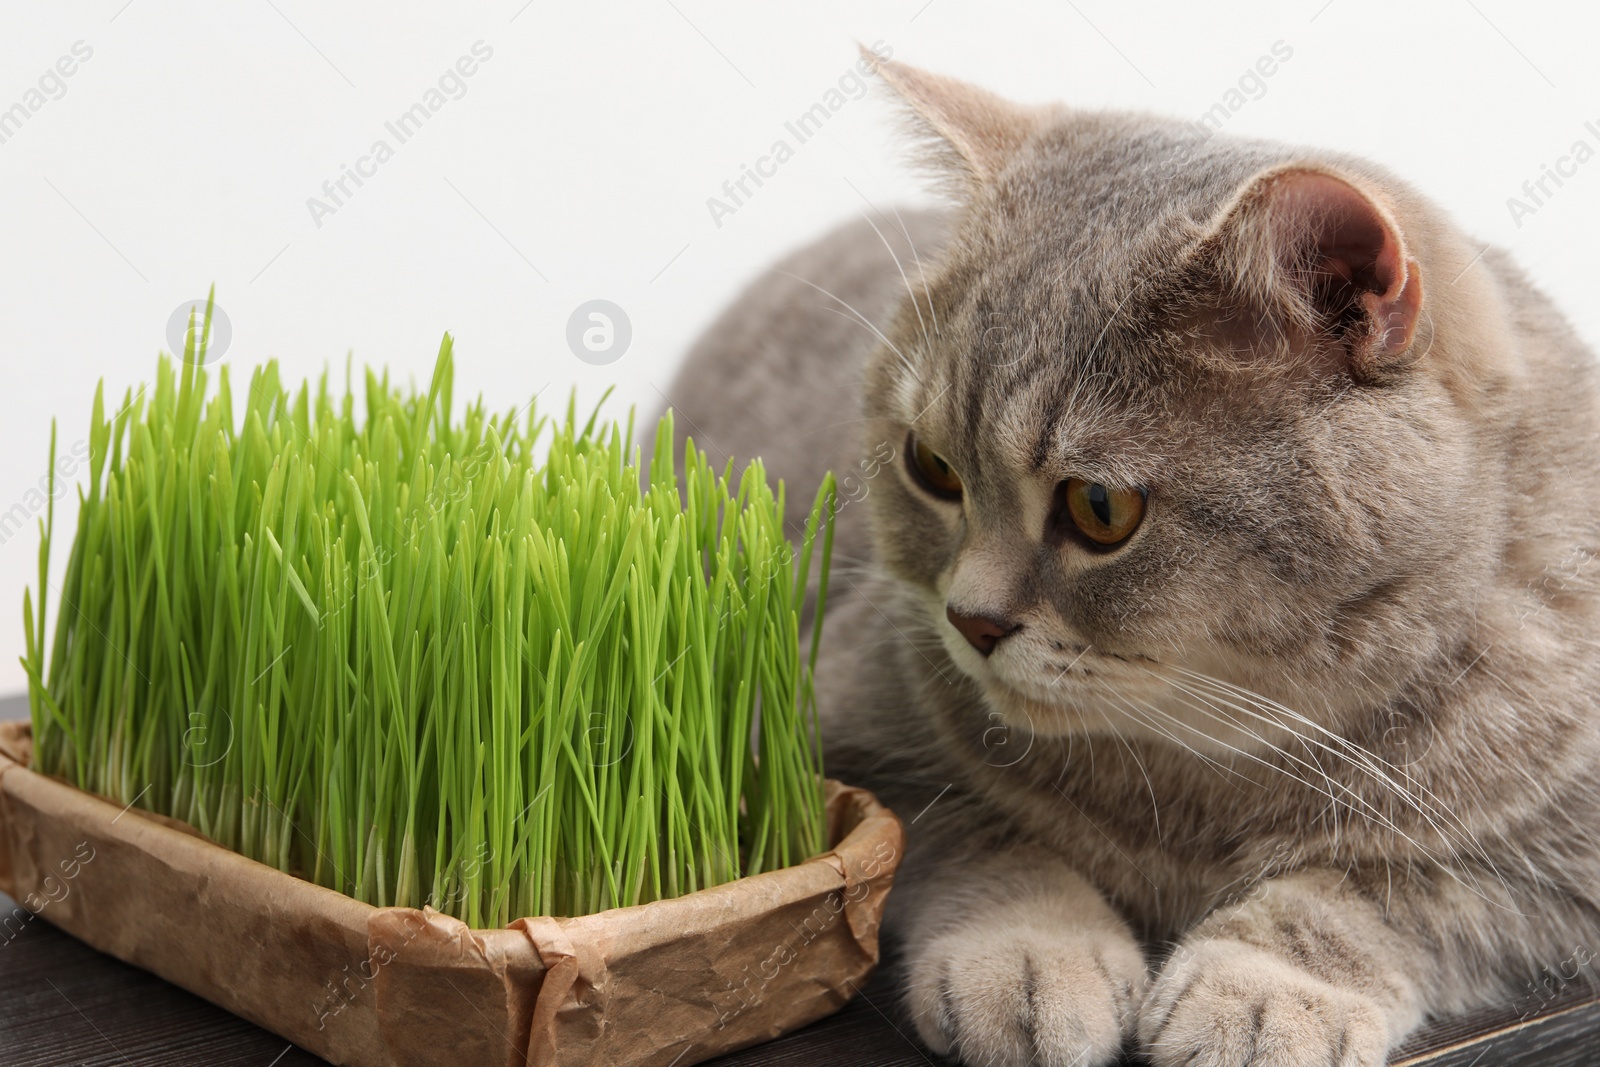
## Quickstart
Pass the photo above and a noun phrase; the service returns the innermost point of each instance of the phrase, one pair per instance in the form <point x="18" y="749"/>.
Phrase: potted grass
<point x="409" y="736"/>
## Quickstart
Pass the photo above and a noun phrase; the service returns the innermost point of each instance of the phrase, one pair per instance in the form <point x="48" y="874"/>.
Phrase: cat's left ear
<point x="1327" y="261"/>
<point x="969" y="134"/>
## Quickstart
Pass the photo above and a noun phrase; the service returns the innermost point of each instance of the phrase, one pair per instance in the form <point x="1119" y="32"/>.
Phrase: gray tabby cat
<point x="1220" y="614"/>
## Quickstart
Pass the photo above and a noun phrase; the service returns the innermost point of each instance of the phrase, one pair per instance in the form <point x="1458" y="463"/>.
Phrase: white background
<point x="579" y="161"/>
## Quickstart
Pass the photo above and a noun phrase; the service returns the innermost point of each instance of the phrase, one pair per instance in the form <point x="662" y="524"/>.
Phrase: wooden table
<point x="63" y="1003"/>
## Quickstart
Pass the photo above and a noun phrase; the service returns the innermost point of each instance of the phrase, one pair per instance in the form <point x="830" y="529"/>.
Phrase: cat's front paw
<point x="1224" y="1003"/>
<point x="1015" y="995"/>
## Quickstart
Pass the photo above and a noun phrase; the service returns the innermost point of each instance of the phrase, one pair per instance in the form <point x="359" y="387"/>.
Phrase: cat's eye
<point x="1104" y="514"/>
<point x="931" y="471"/>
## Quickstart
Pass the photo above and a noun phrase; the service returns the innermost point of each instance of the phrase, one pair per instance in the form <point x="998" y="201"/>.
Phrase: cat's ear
<point x="969" y="133"/>
<point x="1326" y="262"/>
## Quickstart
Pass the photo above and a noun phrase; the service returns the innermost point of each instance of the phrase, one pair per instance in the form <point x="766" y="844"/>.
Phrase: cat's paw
<point x="1224" y="1003"/>
<point x="1017" y="995"/>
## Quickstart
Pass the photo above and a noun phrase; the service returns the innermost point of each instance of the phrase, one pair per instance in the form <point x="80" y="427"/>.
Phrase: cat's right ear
<point x="1319" y="263"/>
<point x="968" y="135"/>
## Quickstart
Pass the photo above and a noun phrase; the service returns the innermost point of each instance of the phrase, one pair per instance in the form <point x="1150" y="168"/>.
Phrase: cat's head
<point x="1179" y="414"/>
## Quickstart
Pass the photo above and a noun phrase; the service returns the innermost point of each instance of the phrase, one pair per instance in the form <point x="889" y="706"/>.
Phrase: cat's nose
<point x="982" y="632"/>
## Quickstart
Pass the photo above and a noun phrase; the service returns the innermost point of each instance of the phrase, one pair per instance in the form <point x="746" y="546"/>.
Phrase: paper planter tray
<point x="673" y="982"/>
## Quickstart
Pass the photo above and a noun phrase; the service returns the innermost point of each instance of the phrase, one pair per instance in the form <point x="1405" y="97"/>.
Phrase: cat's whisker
<point x="922" y="271"/>
<point x="859" y="317"/>
<point x="910" y="293"/>
<point x="1334" y="801"/>
<point x="1112" y="318"/>
<point x="825" y="427"/>
<point x="1133" y="711"/>
<point x="1267" y="704"/>
<point x="1350" y="750"/>
<point x="1366" y="761"/>
<point x="1310" y="742"/>
<point x="1155" y="807"/>
<point x="1372" y="815"/>
<point x="1213" y="711"/>
<point x="863" y="563"/>
<point x="862" y="322"/>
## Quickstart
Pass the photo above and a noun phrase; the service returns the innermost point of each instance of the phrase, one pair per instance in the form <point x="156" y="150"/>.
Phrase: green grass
<point x="490" y="665"/>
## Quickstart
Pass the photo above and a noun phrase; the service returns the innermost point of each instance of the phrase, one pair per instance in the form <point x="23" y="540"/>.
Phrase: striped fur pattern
<point x="1312" y="756"/>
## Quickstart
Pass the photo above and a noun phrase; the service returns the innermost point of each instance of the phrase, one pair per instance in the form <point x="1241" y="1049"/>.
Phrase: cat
<point x="1215" y="586"/>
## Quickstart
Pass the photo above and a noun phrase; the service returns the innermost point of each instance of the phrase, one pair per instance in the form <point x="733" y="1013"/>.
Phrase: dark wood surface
<point x="62" y="1003"/>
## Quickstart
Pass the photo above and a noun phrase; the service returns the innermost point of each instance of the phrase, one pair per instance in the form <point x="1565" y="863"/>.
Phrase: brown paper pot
<point x="672" y="982"/>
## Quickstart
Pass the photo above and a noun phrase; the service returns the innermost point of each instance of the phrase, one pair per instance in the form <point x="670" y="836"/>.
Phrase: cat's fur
<point x="1314" y="755"/>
